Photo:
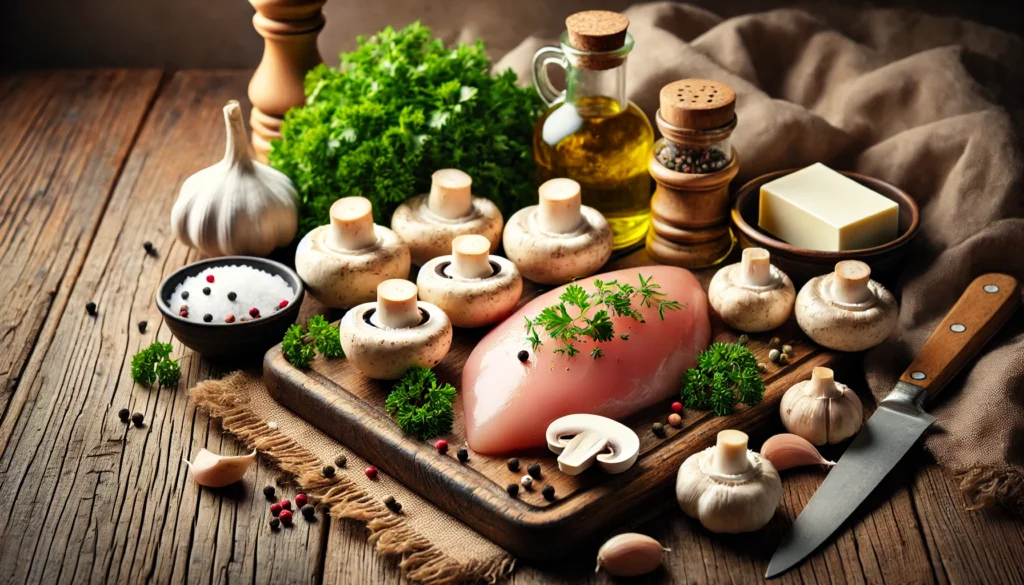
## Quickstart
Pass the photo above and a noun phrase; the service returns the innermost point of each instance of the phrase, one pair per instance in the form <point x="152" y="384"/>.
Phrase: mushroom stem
<point x="755" y="267"/>
<point x="450" y="195"/>
<point x="396" y="304"/>
<point x="471" y="257"/>
<point x="730" y="457"/>
<point x="850" y="283"/>
<point x="823" y="384"/>
<point x="352" y="224"/>
<point x="559" y="209"/>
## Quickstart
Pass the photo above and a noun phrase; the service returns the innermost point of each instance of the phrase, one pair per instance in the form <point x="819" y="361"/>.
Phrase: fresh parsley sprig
<point x="300" y="347"/>
<point x="155" y="364"/>
<point x="726" y="374"/>
<point x="571" y="321"/>
<point x="420" y="405"/>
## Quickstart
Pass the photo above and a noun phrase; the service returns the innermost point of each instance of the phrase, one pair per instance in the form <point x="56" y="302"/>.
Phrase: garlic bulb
<point x="821" y="410"/>
<point x="787" y="451"/>
<point x="212" y="470"/>
<point x="237" y="206"/>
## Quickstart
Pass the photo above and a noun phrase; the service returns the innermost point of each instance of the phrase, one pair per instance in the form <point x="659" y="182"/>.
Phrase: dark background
<point x="219" y="33"/>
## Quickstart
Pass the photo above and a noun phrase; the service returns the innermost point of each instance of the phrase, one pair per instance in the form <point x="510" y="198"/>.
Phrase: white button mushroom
<point x="343" y="262"/>
<point x="559" y="239"/>
<point x="472" y="287"/>
<point x="581" y="439"/>
<point x="383" y="340"/>
<point x="821" y="410"/>
<point x="727" y="487"/>
<point x="846" y="310"/>
<point x="428" y="223"/>
<point x="752" y="295"/>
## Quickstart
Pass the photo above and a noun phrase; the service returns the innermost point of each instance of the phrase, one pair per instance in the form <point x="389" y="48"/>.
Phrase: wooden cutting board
<point x="343" y="403"/>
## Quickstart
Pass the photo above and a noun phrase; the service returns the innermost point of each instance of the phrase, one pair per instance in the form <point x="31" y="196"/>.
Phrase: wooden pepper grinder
<point x="289" y="29"/>
<point x="692" y="165"/>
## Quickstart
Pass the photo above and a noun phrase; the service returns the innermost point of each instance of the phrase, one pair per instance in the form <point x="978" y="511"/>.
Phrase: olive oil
<point x="605" y="149"/>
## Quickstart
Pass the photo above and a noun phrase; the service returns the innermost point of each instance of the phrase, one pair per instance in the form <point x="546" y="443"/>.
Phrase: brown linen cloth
<point x="435" y="548"/>
<point x="930" y="104"/>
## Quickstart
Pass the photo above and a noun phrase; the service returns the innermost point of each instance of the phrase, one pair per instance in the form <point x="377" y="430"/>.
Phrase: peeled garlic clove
<point x="212" y="470"/>
<point x="630" y="554"/>
<point x="786" y="451"/>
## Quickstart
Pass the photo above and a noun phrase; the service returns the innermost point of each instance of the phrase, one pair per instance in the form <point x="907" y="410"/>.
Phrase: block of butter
<point x="819" y="209"/>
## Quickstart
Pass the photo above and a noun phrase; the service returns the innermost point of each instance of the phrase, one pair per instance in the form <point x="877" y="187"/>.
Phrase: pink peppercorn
<point x="677" y="407"/>
<point x="275" y="509"/>
<point x="371" y="472"/>
<point x="254" y="312"/>
<point x="286" y="504"/>
<point x="209" y="278"/>
<point x="183" y="313"/>
<point x="282" y="304"/>
<point x="300" y="500"/>
<point x="286" y="517"/>
<point x="441" y="446"/>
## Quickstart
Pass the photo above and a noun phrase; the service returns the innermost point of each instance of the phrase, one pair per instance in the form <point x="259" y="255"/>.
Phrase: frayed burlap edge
<point x="985" y="486"/>
<point x="421" y="562"/>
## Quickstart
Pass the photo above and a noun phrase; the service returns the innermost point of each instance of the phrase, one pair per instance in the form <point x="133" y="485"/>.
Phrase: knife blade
<point x="900" y="419"/>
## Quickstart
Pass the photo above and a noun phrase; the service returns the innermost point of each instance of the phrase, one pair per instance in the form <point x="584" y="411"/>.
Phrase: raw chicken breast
<point x="509" y="404"/>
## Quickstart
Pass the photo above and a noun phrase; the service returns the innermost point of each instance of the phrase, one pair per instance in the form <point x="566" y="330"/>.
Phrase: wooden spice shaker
<point x="692" y="165"/>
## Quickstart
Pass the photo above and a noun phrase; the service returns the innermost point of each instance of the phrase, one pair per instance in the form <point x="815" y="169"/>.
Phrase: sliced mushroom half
<point x="582" y="439"/>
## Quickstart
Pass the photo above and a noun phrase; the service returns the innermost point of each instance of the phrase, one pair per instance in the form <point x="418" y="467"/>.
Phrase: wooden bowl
<point x="802" y="264"/>
<point x="239" y="339"/>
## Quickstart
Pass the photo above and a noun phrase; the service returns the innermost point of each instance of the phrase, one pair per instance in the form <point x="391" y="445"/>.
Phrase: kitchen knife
<point x="900" y="419"/>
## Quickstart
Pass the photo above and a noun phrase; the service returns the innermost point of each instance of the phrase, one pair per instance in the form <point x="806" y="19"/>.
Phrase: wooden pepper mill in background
<point x="289" y="29"/>
<point x="692" y="165"/>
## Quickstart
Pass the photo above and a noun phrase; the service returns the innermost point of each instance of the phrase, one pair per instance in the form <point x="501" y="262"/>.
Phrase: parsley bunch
<point x="726" y="373"/>
<point x="420" y="405"/>
<point x="299" y="347"/>
<point x="569" y="327"/>
<point x="398" y="108"/>
<point x="154" y="363"/>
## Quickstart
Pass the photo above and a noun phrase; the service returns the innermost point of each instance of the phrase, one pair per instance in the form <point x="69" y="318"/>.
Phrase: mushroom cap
<point x="551" y="258"/>
<point x="429" y="235"/>
<point x="471" y="302"/>
<point x="841" y="326"/>
<point x="821" y="420"/>
<point x="580" y="439"/>
<point x="345" y="278"/>
<point x="728" y="503"/>
<point x="751" y="308"/>
<point x="387" y="354"/>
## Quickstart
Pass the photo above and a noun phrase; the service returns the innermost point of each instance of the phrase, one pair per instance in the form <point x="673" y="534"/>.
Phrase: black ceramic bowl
<point x="238" y="339"/>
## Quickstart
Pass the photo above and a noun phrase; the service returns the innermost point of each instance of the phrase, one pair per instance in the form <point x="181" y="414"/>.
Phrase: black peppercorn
<point x="308" y="511"/>
<point x="463" y="455"/>
<point x="137" y="419"/>
<point x="512" y="489"/>
<point x="328" y="471"/>
<point x="275" y="523"/>
<point x="206" y="290"/>
<point x="513" y="464"/>
<point x="207" y="317"/>
<point x="523" y="355"/>
<point x="184" y="295"/>
<point x="90" y="308"/>
<point x="149" y="248"/>
<point x="548" y="492"/>
<point x="392" y="504"/>
<point x="534" y="471"/>
<point x="269" y="492"/>
<point x="142" y="326"/>
<point x="658" y="429"/>
<point x="124" y="415"/>
<point x="341" y="461"/>
<point x="232" y="296"/>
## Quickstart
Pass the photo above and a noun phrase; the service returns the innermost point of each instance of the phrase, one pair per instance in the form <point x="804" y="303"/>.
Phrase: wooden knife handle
<point x="983" y="308"/>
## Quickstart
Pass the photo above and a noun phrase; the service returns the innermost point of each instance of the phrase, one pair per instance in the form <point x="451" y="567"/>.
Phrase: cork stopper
<point x="352" y="224"/>
<point x="697" y="104"/>
<point x="597" y="31"/>
<point x="450" y="195"/>
<point x="755" y="267"/>
<point x="396" y="304"/>
<point x="823" y="383"/>
<point x="471" y="257"/>
<point x="559" y="208"/>
<point x="850" y="282"/>
<point x="730" y="457"/>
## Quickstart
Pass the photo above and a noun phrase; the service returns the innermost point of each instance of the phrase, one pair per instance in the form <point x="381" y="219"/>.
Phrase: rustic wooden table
<point x="90" y="163"/>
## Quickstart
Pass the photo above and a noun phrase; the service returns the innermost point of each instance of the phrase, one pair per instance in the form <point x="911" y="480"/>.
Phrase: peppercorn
<point x="526" y="481"/>
<point x="523" y="355"/>
<point x="371" y="472"/>
<point x="137" y="419"/>
<point x="341" y="461"/>
<point x="534" y="470"/>
<point x="761" y="367"/>
<point x="308" y="511"/>
<point x="269" y="491"/>
<point x="183" y="313"/>
<point x="254" y="312"/>
<point x="275" y="523"/>
<point x="232" y="296"/>
<point x="206" y="290"/>
<point x="463" y="455"/>
<point x="677" y="407"/>
<point x="286" y="517"/>
<point x="774" y="343"/>
<point x="124" y="415"/>
<point x="658" y="429"/>
<point x="442" y="446"/>
<point x="229" y="319"/>
<point x="90" y="308"/>
<point x="149" y="248"/>
<point x="787" y="349"/>
<point x="207" y="317"/>
<point x="392" y="504"/>
<point x="774" y="356"/>
<point x="743" y="339"/>
<point x="675" y="420"/>
<point x="142" y="326"/>
<point x="282" y="304"/>
<point x="328" y="471"/>
<point x="184" y="295"/>
<point x="275" y="509"/>
<point x="513" y="464"/>
<point x="548" y="492"/>
<point x="286" y="504"/>
<point x="209" y="278"/>
<point x="183" y="308"/>
<point x="784" y="359"/>
<point x="301" y="500"/>
<point x="512" y="489"/>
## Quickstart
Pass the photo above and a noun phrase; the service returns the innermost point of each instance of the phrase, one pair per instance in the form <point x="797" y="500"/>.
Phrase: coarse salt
<point x="254" y="289"/>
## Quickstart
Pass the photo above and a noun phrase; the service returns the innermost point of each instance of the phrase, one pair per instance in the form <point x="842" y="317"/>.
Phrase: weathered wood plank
<point x="88" y="500"/>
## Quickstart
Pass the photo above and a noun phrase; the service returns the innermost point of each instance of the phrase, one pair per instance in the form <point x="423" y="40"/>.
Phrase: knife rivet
<point x="991" y="288"/>
<point x="918" y="375"/>
<point x="957" y="328"/>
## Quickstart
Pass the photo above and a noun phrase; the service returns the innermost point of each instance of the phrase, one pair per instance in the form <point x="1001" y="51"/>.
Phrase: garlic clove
<point x="786" y="451"/>
<point x="629" y="555"/>
<point x="212" y="470"/>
